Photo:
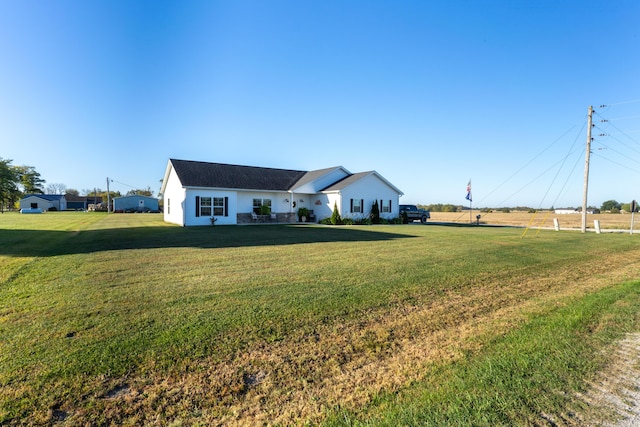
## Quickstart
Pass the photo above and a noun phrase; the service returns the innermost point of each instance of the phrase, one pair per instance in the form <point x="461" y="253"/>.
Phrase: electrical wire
<point x="529" y="162"/>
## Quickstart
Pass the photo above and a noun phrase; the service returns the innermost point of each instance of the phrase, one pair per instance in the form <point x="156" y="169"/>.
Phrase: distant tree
<point x="56" y="188"/>
<point x="610" y="206"/>
<point x="72" y="192"/>
<point x="146" y="192"/>
<point x="9" y="191"/>
<point x="29" y="180"/>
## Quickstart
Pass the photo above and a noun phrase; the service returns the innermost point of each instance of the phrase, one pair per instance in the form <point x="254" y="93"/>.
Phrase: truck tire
<point x="423" y="219"/>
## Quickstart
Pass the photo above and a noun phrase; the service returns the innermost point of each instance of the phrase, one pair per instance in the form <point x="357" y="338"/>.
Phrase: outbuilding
<point x="135" y="203"/>
<point x="45" y="202"/>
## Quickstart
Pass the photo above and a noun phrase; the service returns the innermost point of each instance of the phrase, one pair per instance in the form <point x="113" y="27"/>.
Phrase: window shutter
<point x="197" y="205"/>
<point x="361" y="205"/>
<point x="390" y="209"/>
<point x="226" y="206"/>
<point x="351" y="206"/>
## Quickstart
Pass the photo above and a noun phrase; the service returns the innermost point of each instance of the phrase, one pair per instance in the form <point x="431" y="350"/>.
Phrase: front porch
<point x="280" y="218"/>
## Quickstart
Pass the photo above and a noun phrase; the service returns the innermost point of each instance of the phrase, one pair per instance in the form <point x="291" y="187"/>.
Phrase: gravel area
<point x="617" y="388"/>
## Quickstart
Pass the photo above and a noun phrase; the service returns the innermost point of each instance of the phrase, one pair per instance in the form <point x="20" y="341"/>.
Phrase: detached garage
<point x="135" y="203"/>
<point x="44" y="202"/>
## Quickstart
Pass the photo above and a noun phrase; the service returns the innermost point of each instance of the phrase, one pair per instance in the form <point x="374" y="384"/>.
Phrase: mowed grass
<point x="123" y="319"/>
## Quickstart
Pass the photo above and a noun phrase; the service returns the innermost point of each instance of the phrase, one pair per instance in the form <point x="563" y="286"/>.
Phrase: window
<point x="212" y="206"/>
<point x="205" y="206"/>
<point x="385" y="206"/>
<point x="257" y="203"/>
<point x="218" y="206"/>
<point x="356" y="206"/>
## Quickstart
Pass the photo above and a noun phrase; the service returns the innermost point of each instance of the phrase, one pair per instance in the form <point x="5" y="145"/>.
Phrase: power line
<point x="527" y="164"/>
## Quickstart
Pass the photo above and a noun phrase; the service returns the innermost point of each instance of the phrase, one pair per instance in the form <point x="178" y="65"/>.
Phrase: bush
<point x="362" y="221"/>
<point x="303" y="212"/>
<point x="335" y="216"/>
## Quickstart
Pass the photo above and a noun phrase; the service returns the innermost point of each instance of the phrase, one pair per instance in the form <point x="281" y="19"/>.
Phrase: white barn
<point x="45" y="202"/>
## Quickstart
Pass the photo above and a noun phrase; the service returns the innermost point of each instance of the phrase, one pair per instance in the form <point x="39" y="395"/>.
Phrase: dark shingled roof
<point x="219" y="175"/>
<point x="346" y="181"/>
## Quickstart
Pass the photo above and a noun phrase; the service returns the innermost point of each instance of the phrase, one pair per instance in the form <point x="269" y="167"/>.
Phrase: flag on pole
<point x="469" y="191"/>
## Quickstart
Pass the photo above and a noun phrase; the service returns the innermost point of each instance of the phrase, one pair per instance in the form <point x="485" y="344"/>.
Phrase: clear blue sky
<point x="428" y="93"/>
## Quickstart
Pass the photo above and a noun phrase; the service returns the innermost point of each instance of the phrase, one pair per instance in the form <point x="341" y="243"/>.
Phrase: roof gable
<point x="220" y="175"/>
<point x="353" y="178"/>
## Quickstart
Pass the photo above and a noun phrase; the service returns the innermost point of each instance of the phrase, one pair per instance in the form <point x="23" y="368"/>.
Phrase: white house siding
<point x="369" y="189"/>
<point x="174" y="195"/>
<point x="328" y="200"/>
<point x="280" y="201"/>
<point x="190" y="206"/>
<point x="44" y="204"/>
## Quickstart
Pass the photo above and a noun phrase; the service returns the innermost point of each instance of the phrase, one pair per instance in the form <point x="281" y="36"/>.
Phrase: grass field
<point x="123" y="319"/>
<point x="540" y="219"/>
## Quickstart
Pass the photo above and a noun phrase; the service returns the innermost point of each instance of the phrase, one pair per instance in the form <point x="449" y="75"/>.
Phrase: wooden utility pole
<point x="586" y="170"/>
<point x="108" y="197"/>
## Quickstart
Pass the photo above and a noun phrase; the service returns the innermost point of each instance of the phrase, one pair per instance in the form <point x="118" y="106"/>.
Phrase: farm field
<point x="540" y="219"/>
<point x="123" y="319"/>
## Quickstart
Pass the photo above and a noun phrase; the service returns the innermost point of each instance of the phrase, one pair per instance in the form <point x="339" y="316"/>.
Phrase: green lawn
<point x="124" y="319"/>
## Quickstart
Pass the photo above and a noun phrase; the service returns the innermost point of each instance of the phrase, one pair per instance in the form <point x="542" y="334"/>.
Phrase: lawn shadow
<point x="52" y="243"/>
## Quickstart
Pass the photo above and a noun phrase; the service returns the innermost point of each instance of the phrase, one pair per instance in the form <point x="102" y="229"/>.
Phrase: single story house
<point x="135" y="203"/>
<point x="46" y="202"/>
<point x="194" y="192"/>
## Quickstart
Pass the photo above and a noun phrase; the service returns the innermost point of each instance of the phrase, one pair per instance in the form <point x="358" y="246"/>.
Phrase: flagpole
<point x="470" y="199"/>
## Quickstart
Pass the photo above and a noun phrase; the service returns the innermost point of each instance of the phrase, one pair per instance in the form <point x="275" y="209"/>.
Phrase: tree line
<point x="18" y="181"/>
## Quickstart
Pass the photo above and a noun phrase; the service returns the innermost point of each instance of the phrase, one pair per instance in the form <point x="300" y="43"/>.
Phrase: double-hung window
<point x="205" y="206"/>
<point x="218" y="206"/>
<point x="357" y="206"/>
<point x="385" y="206"/>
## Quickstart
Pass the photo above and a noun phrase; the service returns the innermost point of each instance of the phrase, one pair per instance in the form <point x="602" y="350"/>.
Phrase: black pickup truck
<point x="413" y="213"/>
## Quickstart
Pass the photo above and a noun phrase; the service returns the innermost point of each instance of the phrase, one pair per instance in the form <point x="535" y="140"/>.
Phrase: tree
<point x="9" y="192"/>
<point x="146" y="192"/>
<point x="335" y="216"/>
<point x="72" y="192"/>
<point x="375" y="213"/>
<point x="56" y="188"/>
<point x="29" y="180"/>
<point x="610" y="206"/>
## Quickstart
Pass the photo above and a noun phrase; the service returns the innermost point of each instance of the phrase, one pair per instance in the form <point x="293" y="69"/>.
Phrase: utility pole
<point x="586" y="170"/>
<point x="108" y="197"/>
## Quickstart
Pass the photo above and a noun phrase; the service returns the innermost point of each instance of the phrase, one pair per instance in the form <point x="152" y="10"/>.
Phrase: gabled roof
<point x="351" y="179"/>
<point x="313" y="175"/>
<point x="48" y="197"/>
<point x="220" y="175"/>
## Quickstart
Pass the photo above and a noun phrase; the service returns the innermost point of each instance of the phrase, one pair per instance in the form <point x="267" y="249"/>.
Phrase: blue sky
<point x="430" y="94"/>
